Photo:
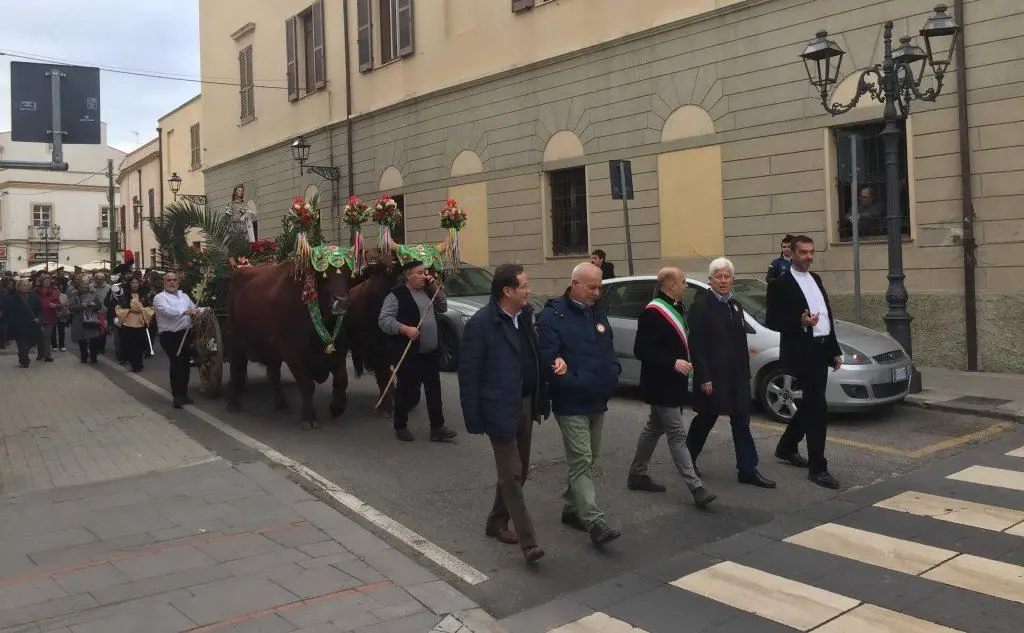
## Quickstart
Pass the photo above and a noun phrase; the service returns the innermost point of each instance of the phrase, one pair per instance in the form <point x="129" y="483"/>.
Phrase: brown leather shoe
<point x="503" y="534"/>
<point x="533" y="554"/>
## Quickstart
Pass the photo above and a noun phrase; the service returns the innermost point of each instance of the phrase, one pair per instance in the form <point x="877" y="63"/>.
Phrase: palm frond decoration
<point x="202" y="273"/>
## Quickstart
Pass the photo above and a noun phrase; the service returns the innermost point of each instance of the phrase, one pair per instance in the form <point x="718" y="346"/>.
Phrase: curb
<point x="997" y="413"/>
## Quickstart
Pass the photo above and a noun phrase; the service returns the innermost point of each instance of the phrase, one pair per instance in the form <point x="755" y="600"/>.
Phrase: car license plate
<point x="900" y="374"/>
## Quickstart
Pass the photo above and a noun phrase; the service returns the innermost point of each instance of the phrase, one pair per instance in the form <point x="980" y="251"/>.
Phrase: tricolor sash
<point x="665" y="309"/>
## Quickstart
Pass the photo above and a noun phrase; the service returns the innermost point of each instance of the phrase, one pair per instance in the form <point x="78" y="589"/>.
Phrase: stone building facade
<point x="730" y="147"/>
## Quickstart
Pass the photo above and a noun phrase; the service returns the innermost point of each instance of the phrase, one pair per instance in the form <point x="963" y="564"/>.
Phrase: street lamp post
<point x="896" y="82"/>
<point x="47" y="232"/>
<point x="174" y="182"/>
<point x="300" y="154"/>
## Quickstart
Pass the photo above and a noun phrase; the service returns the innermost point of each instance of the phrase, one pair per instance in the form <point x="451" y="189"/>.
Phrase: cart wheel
<point x="210" y="356"/>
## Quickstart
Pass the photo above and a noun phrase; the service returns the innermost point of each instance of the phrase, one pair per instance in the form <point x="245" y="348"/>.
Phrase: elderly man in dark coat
<point x="503" y="391"/>
<point x="721" y="371"/>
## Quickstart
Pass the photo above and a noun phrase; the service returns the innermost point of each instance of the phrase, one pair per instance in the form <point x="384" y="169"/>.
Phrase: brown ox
<point x="366" y="341"/>
<point x="270" y="324"/>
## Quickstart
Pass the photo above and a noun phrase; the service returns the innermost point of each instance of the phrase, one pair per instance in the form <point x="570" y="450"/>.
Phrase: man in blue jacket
<point x="576" y="347"/>
<point x="503" y="391"/>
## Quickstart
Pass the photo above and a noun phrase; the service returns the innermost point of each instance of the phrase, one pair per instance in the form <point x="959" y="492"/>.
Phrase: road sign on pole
<point x="621" y="176"/>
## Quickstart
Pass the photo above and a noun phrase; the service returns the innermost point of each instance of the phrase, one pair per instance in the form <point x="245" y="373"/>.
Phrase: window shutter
<point x="521" y="5"/>
<point x="245" y="91"/>
<point x="364" y="20"/>
<point x="405" y="29"/>
<point x="319" y="60"/>
<point x="293" y="58"/>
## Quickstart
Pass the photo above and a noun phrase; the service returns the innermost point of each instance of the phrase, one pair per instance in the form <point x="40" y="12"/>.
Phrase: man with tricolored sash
<point x="662" y="347"/>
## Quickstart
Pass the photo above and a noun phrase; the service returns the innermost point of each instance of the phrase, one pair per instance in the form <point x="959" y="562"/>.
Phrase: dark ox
<point x="270" y="324"/>
<point x="368" y="344"/>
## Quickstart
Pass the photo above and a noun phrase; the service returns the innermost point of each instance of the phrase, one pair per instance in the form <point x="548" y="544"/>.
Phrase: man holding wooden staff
<point x="408" y="316"/>
<point x="174" y="310"/>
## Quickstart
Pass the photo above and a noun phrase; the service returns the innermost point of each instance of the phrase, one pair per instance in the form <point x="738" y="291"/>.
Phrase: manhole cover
<point x="981" y="401"/>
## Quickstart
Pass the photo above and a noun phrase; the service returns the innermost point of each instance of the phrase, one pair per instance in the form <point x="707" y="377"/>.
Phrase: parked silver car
<point x="467" y="291"/>
<point x="875" y="371"/>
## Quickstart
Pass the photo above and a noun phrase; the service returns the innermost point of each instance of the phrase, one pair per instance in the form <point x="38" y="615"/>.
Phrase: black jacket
<point x="583" y="339"/>
<point x="785" y="305"/>
<point x="491" y="372"/>
<point x="718" y="347"/>
<point x="21" y="313"/>
<point x="657" y="346"/>
<point x="607" y="270"/>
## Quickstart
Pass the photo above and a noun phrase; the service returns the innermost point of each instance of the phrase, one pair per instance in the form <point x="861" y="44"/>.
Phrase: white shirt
<point x="815" y="301"/>
<point x="170" y="311"/>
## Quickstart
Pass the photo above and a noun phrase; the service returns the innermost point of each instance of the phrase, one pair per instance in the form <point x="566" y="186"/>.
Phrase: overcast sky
<point x="159" y="36"/>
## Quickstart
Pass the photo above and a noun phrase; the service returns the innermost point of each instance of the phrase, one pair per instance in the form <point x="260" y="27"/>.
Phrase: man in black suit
<point x="798" y="308"/>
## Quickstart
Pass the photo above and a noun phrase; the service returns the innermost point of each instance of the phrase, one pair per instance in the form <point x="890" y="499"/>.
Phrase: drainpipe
<point x="160" y="149"/>
<point x="967" y="197"/>
<point x="348" y="103"/>
<point x="142" y="225"/>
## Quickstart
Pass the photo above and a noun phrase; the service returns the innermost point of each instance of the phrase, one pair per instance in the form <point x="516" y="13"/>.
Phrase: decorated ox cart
<point x="260" y="298"/>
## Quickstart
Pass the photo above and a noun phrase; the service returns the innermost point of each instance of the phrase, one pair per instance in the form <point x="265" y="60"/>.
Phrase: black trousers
<point x="742" y="440"/>
<point x="25" y="341"/>
<point x="134" y="346"/>
<point x="809" y="421"/>
<point x="419" y="370"/>
<point x="89" y="348"/>
<point x="181" y="369"/>
<point x="58" y="337"/>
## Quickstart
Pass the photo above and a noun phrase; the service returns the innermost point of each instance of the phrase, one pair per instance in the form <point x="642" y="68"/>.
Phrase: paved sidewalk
<point x="63" y="423"/>
<point x="209" y="546"/>
<point x="973" y="393"/>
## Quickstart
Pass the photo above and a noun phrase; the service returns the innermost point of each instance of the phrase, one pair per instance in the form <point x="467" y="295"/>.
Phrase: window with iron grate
<point x="569" y="235"/>
<point x="872" y="183"/>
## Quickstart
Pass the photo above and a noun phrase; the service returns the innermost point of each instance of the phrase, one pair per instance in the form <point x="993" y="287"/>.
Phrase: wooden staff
<point x="181" y="345"/>
<point x="408" y="346"/>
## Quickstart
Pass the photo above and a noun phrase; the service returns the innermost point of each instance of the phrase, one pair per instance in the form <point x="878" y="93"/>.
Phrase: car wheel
<point x="448" y="341"/>
<point x="778" y="394"/>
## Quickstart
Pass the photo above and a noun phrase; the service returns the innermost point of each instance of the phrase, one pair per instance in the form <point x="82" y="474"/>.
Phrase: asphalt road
<point x="443" y="491"/>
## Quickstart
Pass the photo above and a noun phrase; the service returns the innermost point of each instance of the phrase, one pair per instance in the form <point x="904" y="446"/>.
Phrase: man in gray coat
<point x="409" y="314"/>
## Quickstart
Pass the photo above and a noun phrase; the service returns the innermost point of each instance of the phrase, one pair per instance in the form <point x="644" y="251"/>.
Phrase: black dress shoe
<point x="601" y="534"/>
<point x="824" y="479"/>
<point x="756" y="479"/>
<point x="702" y="497"/>
<point x="404" y="435"/>
<point x="177" y="403"/>
<point x="793" y="460"/>
<point x="573" y="520"/>
<point x="442" y="434"/>
<point x="644" y="483"/>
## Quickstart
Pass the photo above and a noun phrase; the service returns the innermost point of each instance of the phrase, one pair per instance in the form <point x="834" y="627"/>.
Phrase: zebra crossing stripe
<point x="868" y="618"/>
<point x="987" y="476"/>
<point x="871" y="548"/>
<point x="797" y="605"/>
<point x="597" y="623"/>
<point x="990" y="577"/>
<point x="1017" y="453"/>
<point x="978" y="515"/>
<point x="775" y="598"/>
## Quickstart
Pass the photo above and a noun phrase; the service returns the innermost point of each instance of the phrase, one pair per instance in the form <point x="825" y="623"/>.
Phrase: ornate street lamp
<point x="300" y="154"/>
<point x="174" y="182"/>
<point x="47" y="232"/>
<point x="896" y="82"/>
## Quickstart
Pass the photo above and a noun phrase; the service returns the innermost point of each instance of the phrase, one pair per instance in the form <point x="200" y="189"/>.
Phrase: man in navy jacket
<point x="503" y="391"/>
<point x="576" y="347"/>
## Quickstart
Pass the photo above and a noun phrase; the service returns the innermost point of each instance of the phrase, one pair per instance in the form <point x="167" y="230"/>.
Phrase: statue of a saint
<point x="242" y="217"/>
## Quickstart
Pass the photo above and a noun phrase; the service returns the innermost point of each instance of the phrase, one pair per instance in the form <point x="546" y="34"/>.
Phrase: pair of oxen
<point x="270" y="324"/>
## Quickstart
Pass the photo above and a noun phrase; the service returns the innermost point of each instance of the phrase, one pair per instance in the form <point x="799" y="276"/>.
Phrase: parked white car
<point x="875" y="371"/>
